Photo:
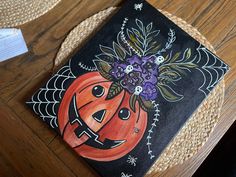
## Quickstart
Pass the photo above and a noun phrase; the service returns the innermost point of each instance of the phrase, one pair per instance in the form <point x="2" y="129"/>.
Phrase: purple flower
<point x="136" y="71"/>
<point x="136" y="62"/>
<point x="131" y="80"/>
<point x="150" y="77"/>
<point x="149" y="91"/>
<point x="149" y="65"/>
<point x="117" y="70"/>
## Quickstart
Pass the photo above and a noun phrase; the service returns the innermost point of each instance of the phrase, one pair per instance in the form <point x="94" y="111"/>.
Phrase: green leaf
<point x="149" y="40"/>
<point x="114" y="90"/>
<point x="119" y="51"/>
<point x="107" y="50"/>
<point x="173" y="67"/>
<point x="103" y="68"/>
<point x="137" y="33"/>
<point x="170" y="75"/>
<point x="132" y="102"/>
<point x="153" y="50"/>
<point x="133" y="42"/>
<point x="166" y="57"/>
<point x="175" y="57"/>
<point x="187" y="65"/>
<point x="105" y="57"/>
<point x="177" y="69"/>
<point x="188" y="53"/>
<point x="168" y="93"/>
<point x="133" y="39"/>
<point x="145" y="105"/>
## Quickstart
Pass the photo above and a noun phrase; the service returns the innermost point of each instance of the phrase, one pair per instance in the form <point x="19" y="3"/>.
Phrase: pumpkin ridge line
<point x="84" y="105"/>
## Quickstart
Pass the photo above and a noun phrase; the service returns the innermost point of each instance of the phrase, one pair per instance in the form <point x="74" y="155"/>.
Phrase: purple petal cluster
<point x="149" y="91"/>
<point x="144" y="73"/>
<point x="131" y="80"/>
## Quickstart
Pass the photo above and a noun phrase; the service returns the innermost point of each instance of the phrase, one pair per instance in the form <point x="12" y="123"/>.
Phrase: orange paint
<point x="111" y="127"/>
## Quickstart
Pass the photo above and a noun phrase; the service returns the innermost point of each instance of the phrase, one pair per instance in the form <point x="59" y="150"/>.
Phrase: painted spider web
<point x="45" y="102"/>
<point x="212" y="69"/>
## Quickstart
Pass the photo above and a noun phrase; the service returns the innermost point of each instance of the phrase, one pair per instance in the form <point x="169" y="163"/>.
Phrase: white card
<point x="12" y="43"/>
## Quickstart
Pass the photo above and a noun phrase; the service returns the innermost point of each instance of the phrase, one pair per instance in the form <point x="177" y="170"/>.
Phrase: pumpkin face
<point x="96" y="127"/>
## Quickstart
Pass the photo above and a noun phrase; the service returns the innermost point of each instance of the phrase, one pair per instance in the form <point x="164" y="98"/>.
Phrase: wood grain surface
<point x="29" y="148"/>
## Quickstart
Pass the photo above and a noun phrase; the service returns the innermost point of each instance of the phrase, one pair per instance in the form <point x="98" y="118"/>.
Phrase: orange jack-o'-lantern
<point x="96" y="127"/>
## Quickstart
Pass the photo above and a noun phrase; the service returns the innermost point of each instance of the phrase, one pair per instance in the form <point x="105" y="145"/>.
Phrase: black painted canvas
<point x="121" y="99"/>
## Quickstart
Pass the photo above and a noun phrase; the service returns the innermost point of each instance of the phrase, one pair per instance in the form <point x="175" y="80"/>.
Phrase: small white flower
<point x="138" y="6"/>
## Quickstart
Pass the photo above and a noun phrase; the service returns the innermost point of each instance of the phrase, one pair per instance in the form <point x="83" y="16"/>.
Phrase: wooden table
<point x="29" y="148"/>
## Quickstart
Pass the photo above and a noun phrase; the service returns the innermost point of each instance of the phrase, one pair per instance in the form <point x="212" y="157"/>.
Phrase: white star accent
<point x="132" y="160"/>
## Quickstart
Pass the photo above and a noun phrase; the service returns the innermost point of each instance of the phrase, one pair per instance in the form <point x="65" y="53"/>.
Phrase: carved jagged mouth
<point x="83" y="129"/>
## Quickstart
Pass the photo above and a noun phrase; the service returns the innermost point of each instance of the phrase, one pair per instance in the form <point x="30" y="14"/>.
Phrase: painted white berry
<point x="138" y="90"/>
<point x="128" y="69"/>
<point x="159" y="60"/>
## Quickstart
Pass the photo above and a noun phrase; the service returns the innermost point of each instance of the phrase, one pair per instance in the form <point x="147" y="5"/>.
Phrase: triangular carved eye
<point x="99" y="115"/>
